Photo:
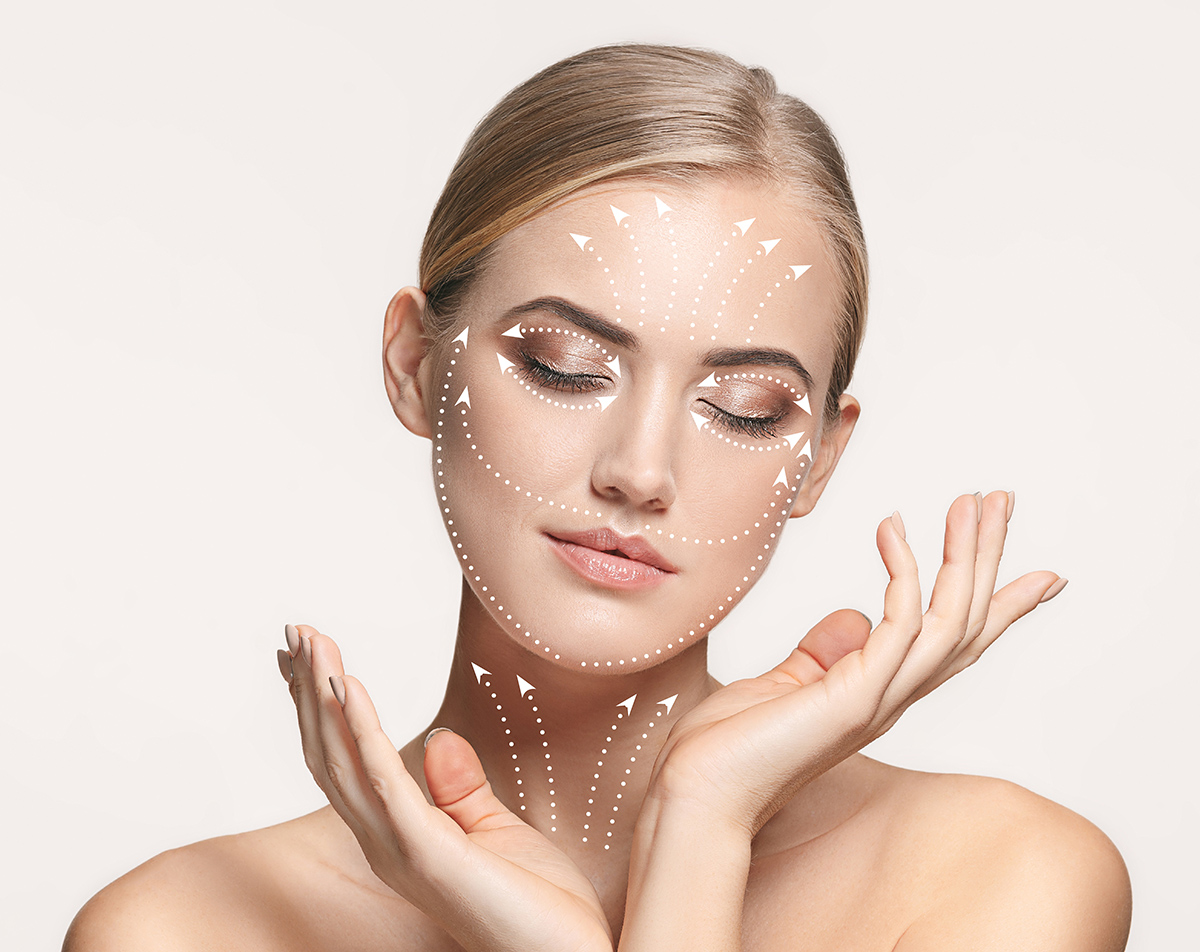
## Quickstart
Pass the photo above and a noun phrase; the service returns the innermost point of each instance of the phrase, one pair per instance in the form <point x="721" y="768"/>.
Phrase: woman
<point x="642" y="295"/>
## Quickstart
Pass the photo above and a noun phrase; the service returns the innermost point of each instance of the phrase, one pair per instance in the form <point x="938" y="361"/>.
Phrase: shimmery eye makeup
<point x="756" y="427"/>
<point x="547" y="376"/>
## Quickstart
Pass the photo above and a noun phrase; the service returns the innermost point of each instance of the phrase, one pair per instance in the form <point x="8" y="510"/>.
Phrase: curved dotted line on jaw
<point x="464" y="403"/>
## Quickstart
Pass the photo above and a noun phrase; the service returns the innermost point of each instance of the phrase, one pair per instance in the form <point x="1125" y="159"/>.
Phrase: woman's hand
<point x="489" y="878"/>
<point x="745" y="750"/>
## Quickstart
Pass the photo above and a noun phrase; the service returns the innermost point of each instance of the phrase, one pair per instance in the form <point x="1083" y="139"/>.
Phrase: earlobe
<point x="833" y="443"/>
<point x="404" y="351"/>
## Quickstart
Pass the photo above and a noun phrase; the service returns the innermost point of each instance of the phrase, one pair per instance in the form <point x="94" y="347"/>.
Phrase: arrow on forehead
<point x="580" y="240"/>
<point x="663" y="207"/>
<point x="744" y="225"/>
<point x="770" y="244"/>
<point x="618" y="214"/>
<point x="799" y="269"/>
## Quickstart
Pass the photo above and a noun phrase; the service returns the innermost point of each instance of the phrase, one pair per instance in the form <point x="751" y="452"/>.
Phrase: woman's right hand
<point x="490" y="879"/>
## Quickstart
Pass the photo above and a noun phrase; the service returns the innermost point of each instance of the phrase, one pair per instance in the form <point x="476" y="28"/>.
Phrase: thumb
<point x="458" y="785"/>
<point x="827" y="642"/>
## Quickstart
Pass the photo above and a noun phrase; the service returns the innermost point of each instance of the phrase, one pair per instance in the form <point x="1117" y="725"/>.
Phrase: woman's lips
<point x="612" y="560"/>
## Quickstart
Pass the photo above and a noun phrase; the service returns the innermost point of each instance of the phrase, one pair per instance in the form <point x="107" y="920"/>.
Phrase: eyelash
<point x="759" y="428"/>
<point x="547" y="376"/>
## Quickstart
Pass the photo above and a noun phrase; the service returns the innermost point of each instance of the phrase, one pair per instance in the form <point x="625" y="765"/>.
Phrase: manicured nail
<point x="870" y="623"/>
<point x="339" y="689"/>
<point x="1053" y="590"/>
<point x="293" y="639"/>
<point x="898" y="523"/>
<point x="285" y="665"/>
<point x="1012" y="501"/>
<point x="306" y="649"/>
<point x="979" y="507"/>
<point x="434" y="731"/>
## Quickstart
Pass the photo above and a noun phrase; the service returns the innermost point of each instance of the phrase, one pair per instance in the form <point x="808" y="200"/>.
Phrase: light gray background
<point x="203" y="213"/>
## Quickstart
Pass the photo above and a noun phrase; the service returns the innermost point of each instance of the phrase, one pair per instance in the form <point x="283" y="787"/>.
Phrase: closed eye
<point x="756" y="427"/>
<point x="547" y="376"/>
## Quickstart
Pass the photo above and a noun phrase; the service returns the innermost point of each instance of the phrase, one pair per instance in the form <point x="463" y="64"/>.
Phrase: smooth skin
<point x="758" y="825"/>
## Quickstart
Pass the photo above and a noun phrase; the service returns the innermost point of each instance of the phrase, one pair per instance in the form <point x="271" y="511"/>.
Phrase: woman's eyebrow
<point x="763" y="356"/>
<point x="586" y="320"/>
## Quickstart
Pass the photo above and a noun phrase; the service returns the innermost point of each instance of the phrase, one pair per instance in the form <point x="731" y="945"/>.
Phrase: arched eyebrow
<point x="586" y="320"/>
<point x="762" y="356"/>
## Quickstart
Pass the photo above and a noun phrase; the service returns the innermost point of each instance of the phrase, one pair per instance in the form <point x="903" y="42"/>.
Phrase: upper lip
<point x="609" y="540"/>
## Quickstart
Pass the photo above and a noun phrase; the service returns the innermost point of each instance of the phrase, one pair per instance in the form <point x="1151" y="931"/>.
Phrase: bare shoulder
<point x="1009" y="869"/>
<point x="195" y="897"/>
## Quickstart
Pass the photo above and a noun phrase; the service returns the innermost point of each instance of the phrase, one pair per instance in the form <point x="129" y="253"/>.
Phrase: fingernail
<point x="434" y="731"/>
<point x="1012" y="501"/>
<point x="898" y="523"/>
<point x="870" y="623"/>
<point x="306" y="650"/>
<point x="293" y="639"/>
<point x="979" y="507"/>
<point x="285" y="665"/>
<point x="339" y="689"/>
<point x="1053" y="590"/>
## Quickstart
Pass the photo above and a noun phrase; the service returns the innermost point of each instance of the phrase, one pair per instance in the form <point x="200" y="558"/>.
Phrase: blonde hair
<point x="642" y="111"/>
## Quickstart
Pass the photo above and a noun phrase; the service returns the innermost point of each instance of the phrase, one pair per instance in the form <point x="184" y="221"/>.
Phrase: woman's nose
<point x="634" y="463"/>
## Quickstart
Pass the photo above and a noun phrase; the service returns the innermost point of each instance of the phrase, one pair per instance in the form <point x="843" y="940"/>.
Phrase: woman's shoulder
<point x="186" y="897"/>
<point x="270" y="890"/>
<point x="941" y="861"/>
<point x="998" y="866"/>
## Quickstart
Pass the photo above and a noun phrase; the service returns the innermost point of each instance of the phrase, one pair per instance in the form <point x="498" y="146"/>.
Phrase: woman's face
<point x="633" y="409"/>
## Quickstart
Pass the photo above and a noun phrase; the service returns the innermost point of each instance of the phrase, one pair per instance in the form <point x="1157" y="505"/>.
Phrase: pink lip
<point x="610" y="559"/>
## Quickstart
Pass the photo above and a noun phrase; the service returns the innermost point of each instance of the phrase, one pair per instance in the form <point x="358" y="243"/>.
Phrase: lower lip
<point x="610" y="571"/>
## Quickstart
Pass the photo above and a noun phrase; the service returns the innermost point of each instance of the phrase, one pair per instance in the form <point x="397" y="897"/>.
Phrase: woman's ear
<point x="833" y="442"/>
<point x="404" y="350"/>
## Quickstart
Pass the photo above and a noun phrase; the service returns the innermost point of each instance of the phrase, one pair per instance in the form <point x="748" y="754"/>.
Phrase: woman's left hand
<point x="744" y="751"/>
<point x="489" y="878"/>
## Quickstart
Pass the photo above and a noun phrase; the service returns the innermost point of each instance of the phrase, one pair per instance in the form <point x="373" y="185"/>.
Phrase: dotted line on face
<point x="463" y="399"/>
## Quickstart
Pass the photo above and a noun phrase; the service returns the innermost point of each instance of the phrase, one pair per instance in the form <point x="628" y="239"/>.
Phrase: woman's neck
<point x="571" y="753"/>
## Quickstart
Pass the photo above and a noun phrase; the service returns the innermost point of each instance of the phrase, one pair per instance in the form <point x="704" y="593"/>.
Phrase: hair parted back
<point x="641" y="111"/>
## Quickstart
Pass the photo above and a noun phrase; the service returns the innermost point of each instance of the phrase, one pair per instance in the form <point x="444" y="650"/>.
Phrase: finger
<point x="405" y="811"/>
<point x="945" y="623"/>
<point x="827" y="642"/>
<point x="993" y="529"/>
<point x="305" y="694"/>
<point x="332" y="740"/>
<point x="459" y="786"/>
<point x="892" y="638"/>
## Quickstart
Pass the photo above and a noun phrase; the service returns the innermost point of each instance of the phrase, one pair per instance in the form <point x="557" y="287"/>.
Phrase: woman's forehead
<point x="718" y="264"/>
